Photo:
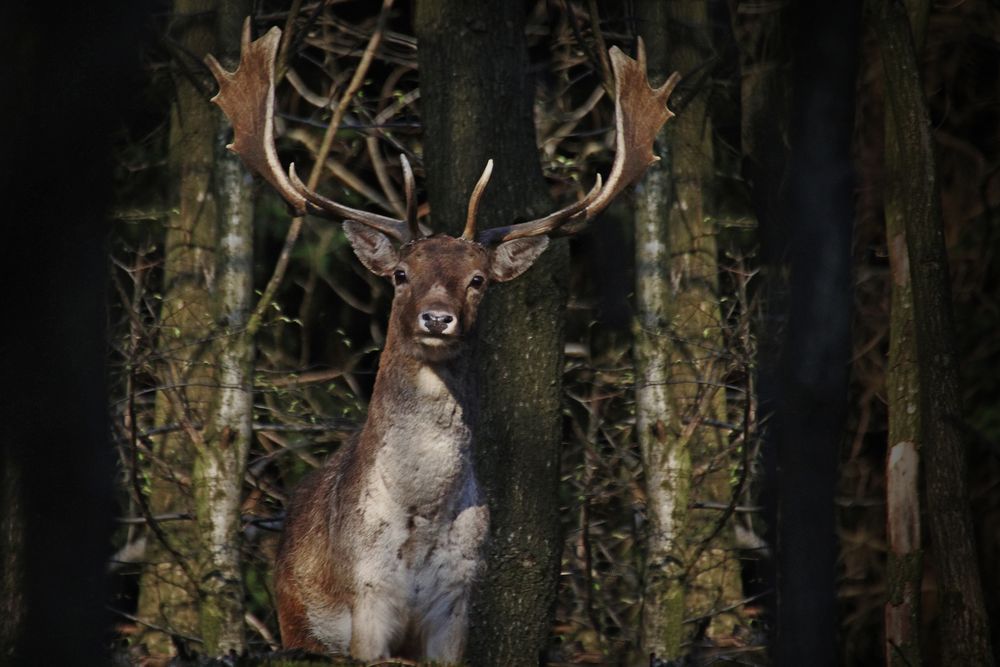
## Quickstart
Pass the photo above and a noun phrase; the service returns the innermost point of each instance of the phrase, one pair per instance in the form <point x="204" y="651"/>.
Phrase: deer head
<point x="439" y="283"/>
<point x="439" y="280"/>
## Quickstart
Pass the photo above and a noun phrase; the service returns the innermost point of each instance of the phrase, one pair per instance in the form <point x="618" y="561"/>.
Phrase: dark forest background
<point x="826" y="158"/>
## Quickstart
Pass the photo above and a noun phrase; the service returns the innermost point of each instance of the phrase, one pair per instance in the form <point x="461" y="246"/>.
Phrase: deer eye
<point x="399" y="276"/>
<point x="476" y="282"/>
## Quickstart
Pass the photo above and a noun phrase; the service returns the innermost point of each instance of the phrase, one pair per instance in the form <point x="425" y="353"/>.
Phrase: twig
<point x="342" y="173"/>
<point x="287" y="34"/>
<point x="716" y="612"/>
<point x="140" y="497"/>
<point x="254" y="323"/>
<point x="602" y="50"/>
<point x="261" y="628"/>
<point x="132" y="520"/>
<point x="595" y="59"/>
<point x="152" y="626"/>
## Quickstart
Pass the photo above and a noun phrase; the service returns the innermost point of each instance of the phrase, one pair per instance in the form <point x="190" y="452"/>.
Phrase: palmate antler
<point x="247" y="98"/>
<point x="640" y="112"/>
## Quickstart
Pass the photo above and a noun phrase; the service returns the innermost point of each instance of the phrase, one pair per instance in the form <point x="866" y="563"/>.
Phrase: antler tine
<point x="246" y="96"/>
<point x="327" y="208"/>
<point x="469" y="234"/>
<point x="640" y="112"/>
<point x="411" y="197"/>
<point x="550" y="224"/>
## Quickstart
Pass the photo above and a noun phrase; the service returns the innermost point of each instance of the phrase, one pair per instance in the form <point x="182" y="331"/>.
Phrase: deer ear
<point x="512" y="258"/>
<point x="372" y="247"/>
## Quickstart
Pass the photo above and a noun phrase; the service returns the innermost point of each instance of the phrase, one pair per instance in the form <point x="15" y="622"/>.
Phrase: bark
<point x="220" y="464"/>
<point x="965" y="636"/>
<point x="12" y="533"/>
<point x="168" y="592"/>
<point x="810" y="399"/>
<point x="904" y="566"/>
<point x="677" y="347"/>
<point x="904" y="570"/>
<point x="56" y="465"/>
<point x="193" y="585"/>
<point x="477" y="104"/>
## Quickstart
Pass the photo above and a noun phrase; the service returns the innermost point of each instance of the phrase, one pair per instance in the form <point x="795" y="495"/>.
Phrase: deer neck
<point x="420" y="424"/>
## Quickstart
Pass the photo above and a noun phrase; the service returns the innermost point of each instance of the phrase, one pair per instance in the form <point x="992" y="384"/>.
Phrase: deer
<point x="382" y="544"/>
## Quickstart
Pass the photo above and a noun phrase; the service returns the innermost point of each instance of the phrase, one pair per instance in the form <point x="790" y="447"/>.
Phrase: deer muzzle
<point x="438" y="323"/>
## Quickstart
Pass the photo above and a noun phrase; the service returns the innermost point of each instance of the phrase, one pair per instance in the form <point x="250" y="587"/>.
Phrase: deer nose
<point x="437" y="322"/>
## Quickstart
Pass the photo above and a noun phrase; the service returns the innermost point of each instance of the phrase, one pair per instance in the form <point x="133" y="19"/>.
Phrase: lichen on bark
<point x="678" y="340"/>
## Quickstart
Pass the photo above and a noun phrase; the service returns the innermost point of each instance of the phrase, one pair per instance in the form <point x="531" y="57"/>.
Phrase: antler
<point x="640" y="112"/>
<point x="477" y="193"/>
<point x="246" y="96"/>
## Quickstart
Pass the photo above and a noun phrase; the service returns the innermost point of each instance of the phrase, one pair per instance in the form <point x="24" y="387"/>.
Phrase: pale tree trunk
<point x="678" y="343"/>
<point x="193" y="585"/>
<point x="220" y="463"/>
<point x="965" y="633"/>
<point x="904" y="567"/>
<point x="476" y="98"/>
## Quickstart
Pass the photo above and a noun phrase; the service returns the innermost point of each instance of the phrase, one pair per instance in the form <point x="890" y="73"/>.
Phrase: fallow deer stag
<point x="381" y="546"/>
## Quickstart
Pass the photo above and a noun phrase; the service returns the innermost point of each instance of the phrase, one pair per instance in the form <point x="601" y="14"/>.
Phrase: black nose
<point x="436" y="322"/>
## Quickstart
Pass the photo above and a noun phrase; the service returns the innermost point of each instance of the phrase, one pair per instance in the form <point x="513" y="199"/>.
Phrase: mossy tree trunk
<point x="965" y="629"/>
<point x="678" y="343"/>
<point x="477" y="97"/>
<point x="220" y="461"/>
<point x="904" y="567"/>
<point x="193" y="585"/>
<point x="168" y="587"/>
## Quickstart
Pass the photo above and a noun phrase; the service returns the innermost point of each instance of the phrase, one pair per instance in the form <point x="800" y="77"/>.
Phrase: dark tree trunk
<point x="476" y="98"/>
<point x="807" y="423"/>
<point x="965" y="629"/>
<point x="765" y="91"/>
<point x="65" y="83"/>
<point x="904" y="564"/>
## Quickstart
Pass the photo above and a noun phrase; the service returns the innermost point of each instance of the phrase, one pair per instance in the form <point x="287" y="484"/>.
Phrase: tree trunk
<point x="477" y="104"/>
<point x="193" y="586"/>
<point x="220" y="464"/>
<point x="904" y="567"/>
<point x="65" y="84"/>
<point x="678" y="343"/>
<point x="965" y="633"/>
<point x="807" y="424"/>
<point x="168" y="587"/>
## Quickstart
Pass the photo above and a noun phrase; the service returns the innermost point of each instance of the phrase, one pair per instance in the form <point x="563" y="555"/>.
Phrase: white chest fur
<point x="420" y="531"/>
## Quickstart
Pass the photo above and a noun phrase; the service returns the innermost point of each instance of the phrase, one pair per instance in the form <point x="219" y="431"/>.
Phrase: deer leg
<point x="293" y="621"/>
<point x="376" y="625"/>
<point x="446" y="630"/>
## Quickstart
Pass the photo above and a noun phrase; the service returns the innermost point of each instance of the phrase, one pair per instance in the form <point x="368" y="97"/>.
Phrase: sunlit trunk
<point x="193" y="584"/>
<point x="678" y="351"/>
